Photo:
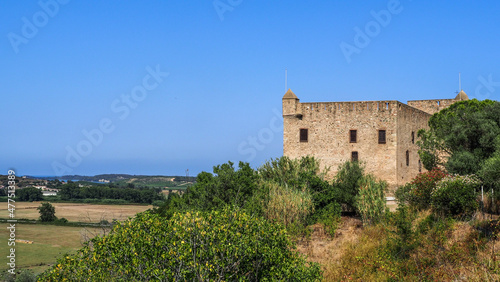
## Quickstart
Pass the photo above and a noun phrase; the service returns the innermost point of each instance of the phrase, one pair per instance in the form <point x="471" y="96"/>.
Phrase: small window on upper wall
<point x="419" y="166"/>
<point x="407" y="158"/>
<point x="303" y="135"/>
<point x="381" y="137"/>
<point x="413" y="137"/>
<point x="354" y="156"/>
<point x="353" y="136"/>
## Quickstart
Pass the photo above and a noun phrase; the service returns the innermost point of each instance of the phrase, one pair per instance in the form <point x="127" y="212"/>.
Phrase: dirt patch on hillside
<point x="322" y="248"/>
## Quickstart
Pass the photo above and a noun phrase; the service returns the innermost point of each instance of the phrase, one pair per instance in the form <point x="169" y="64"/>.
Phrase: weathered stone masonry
<point x="340" y="131"/>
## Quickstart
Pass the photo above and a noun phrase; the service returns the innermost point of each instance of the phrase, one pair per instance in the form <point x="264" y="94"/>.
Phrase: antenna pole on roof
<point x="286" y="77"/>
<point x="459" y="83"/>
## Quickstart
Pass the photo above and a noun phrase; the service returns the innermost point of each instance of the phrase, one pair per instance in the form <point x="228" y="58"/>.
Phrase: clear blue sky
<point x="67" y="67"/>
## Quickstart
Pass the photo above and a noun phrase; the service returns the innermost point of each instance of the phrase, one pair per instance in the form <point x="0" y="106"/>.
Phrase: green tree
<point x="69" y="191"/>
<point x="29" y="194"/>
<point x="225" y="187"/>
<point x="47" y="212"/>
<point x="490" y="170"/>
<point x="347" y="181"/>
<point x="466" y="132"/>
<point x="283" y="190"/>
<point x="429" y="149"/>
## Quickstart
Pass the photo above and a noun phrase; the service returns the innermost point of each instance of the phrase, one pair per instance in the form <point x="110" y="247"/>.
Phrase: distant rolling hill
<point x="125" y="179"/>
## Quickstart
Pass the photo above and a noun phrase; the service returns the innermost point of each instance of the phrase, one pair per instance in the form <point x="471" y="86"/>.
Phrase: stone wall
<point x="328" y="127"/>
<point x="431" y="106"/>
<point x="410" y="120"/>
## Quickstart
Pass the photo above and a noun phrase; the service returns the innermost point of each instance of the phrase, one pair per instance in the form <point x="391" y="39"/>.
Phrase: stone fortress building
<point x="382" y="134"/>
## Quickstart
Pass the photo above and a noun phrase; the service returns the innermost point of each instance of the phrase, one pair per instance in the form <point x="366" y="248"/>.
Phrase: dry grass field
<point x="76" y="211"/>
<point x="323" y="249"/>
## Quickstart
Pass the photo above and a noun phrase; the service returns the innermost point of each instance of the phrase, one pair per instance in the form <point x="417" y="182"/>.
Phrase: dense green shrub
<point x="158" y="203"/>
<point x="490" y="172"/>
<point x="370" y="202"/>
<point x="455" y="195"/>
<point x="329" y="217"/>
<point x="225" y="187"/>
<point x="324" y="195"/>
<point x="62" y="220"/>
<point x="420" y="188"/>
<point x="222" y="245"/>
<point x="346" y="181"/>
<point x="25" y="275"/>
<point x="403" y="193"/>
<point x="404" y="237"/>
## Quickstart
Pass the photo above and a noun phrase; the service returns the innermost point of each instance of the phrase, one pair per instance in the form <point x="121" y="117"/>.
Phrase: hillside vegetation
<point x="233" y="222"/>
<point x="243" y="224"/>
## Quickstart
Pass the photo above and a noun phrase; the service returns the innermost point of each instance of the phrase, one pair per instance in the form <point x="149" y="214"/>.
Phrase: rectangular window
<point x="419" y="166"/>
<point x="381" y="136"/>
<point x="407" y="158"/>
<point x="354" y="156"/>
<point x="303" y="135"/>
<point x="353" y="136"/>
<point x="413" y="137"/>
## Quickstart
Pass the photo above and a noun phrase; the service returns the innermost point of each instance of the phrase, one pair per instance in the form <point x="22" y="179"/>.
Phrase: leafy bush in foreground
<point x="347" y="179"/>
<point x="455" y="195"/>
<point x="203" y="246"/>
<point x="417" y="193"/>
